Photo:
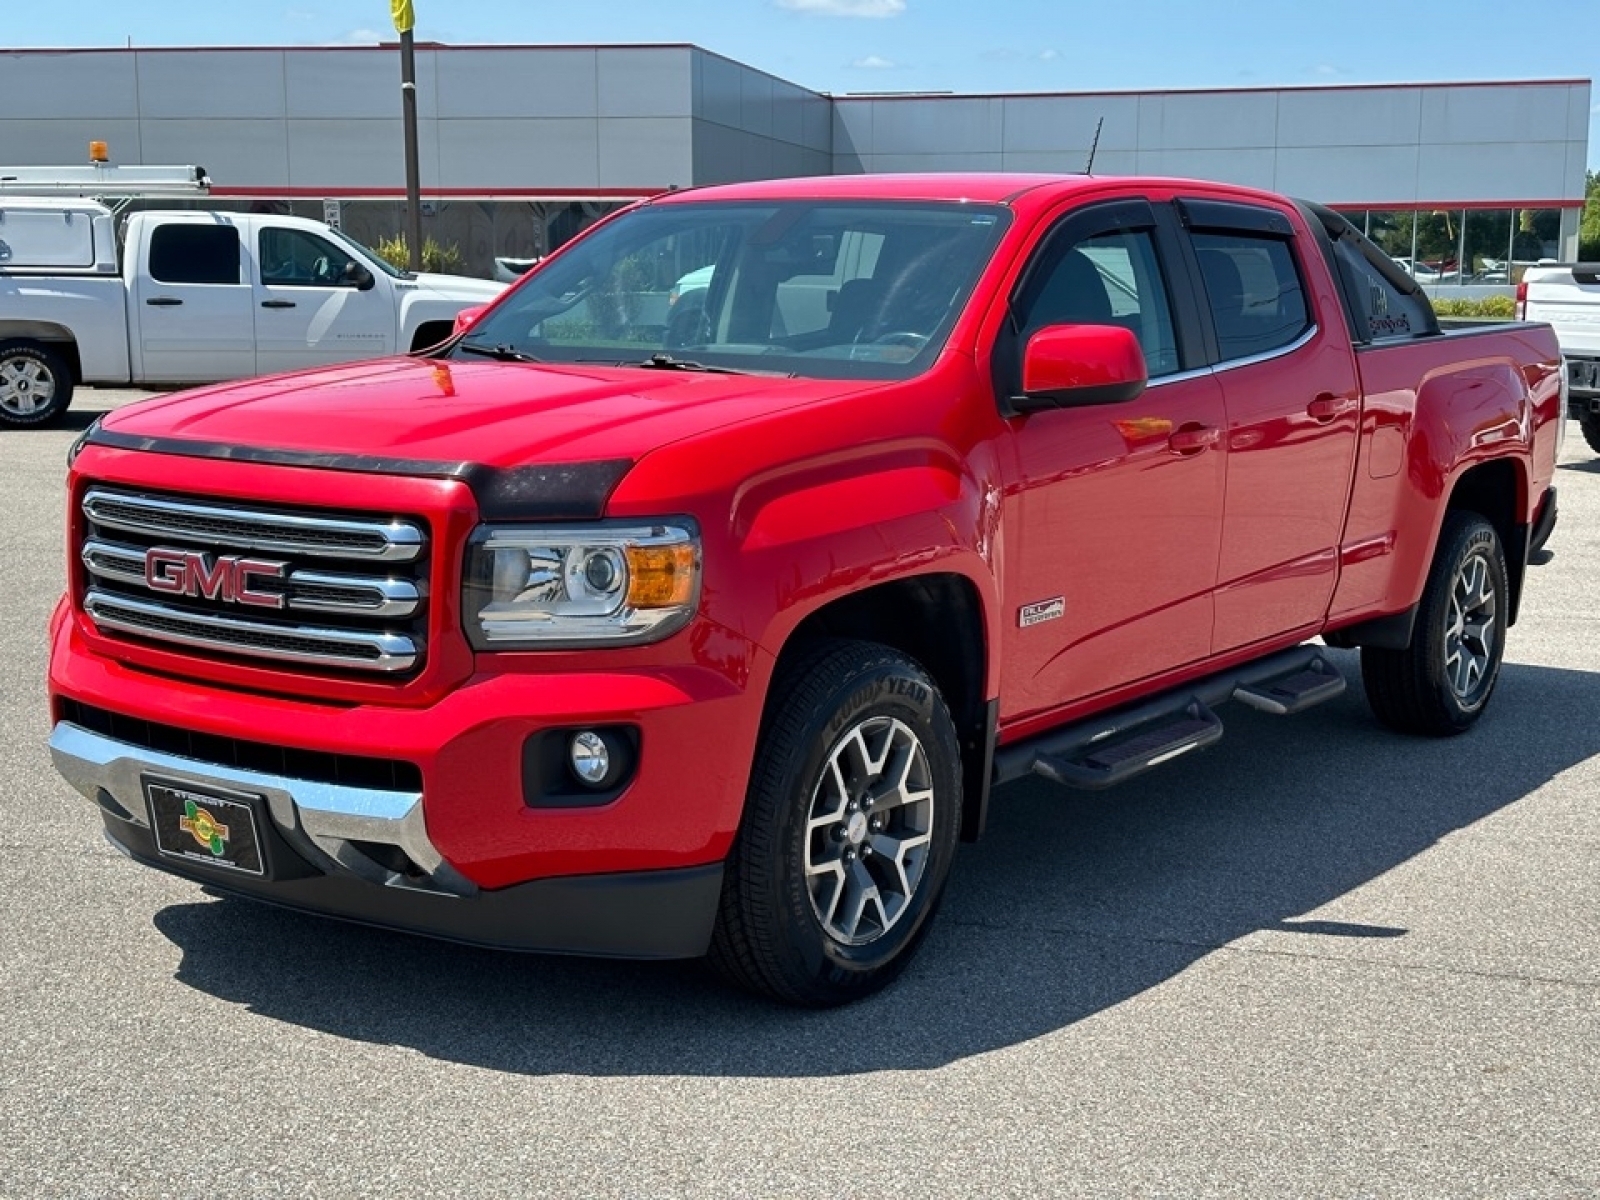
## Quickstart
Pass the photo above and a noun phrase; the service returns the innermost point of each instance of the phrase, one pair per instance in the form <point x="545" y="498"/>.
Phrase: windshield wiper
<point x="500" y="352"/>
<point x="665" y="362"/>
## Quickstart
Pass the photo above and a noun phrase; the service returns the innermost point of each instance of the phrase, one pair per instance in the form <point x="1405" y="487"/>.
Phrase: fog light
<point x="590" y="758"/>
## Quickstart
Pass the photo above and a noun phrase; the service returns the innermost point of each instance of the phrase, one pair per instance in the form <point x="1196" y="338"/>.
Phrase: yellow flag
<point x="405" y="17"/>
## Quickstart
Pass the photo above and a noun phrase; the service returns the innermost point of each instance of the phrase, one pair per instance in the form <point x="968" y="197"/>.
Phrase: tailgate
<point x="1569" y="299"/>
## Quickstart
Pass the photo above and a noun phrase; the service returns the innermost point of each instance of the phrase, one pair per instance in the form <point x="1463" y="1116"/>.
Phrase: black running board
<point x="1112" y="747"/>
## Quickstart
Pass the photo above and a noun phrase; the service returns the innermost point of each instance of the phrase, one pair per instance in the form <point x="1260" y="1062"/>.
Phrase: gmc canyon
<point x="621" y="627"/>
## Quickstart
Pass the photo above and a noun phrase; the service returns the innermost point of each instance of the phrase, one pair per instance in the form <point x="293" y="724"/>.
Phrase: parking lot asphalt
<point x="1319" y="959"/>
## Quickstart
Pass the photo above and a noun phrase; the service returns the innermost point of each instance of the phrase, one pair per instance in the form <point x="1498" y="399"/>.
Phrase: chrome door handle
<point x="1328" y="406"/>
<point x="1193" y="438"/>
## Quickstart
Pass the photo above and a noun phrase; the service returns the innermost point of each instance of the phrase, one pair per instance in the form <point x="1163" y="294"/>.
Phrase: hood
<point x="497" y="414"/>
<point x="460" y="287"/>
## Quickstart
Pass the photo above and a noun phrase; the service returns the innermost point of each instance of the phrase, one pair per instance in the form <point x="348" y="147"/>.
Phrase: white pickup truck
<point x="194" y="297"/>
<point x="1567" y="295"/>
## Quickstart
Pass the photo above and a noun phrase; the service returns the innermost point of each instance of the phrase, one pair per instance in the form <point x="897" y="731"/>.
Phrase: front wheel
<point x="35" y="384"/>
<point x="849" y="829"/>
<point x="1441" y="683"/>
<point x="1589" y="422"/>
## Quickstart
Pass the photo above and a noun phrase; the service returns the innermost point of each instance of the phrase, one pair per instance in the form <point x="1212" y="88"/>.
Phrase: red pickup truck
<point x="664" y="619"/>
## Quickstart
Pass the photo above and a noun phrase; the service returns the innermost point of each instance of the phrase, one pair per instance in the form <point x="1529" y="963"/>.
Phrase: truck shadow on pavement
<point x="1071" y="904"/>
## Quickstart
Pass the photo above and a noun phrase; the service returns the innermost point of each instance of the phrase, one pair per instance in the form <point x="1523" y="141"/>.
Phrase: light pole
<point x="405" y="19"/>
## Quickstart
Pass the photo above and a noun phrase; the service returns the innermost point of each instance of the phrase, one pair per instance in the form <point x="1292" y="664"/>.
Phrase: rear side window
<point x="1389" y="313"/>
<point x="1253" y="289"/>
<point x="195" y="254"/>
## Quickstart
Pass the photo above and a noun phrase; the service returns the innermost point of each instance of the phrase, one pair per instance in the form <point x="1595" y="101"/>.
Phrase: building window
<point x="1487" y="246"/>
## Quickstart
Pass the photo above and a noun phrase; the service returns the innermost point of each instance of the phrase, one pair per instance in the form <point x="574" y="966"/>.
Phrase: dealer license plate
<point x="205" y="827"/>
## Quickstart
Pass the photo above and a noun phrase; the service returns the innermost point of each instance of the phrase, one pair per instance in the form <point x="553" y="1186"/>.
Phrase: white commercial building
<point x="521" y="145"/>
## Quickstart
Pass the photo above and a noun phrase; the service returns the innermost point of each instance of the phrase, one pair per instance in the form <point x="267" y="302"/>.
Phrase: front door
<point x="1117" y="508"/>
<point x="310" y="307"/>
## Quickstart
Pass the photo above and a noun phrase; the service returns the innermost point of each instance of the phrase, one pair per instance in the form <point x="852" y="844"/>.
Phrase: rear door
<point x="310" y="309"/>
<point x="1116" y="508"/>
<point x="191" y="319"/>
<point x="1282" y="353"/>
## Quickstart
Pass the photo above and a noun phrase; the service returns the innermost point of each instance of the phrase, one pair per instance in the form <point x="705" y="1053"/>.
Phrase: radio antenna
<point x="1088" y="167"/>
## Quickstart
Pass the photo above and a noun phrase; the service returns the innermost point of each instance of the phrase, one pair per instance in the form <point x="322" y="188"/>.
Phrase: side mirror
<point x="466" y="317"/>
<point x="355" y="273"/>
<point x="1065" y="366"/>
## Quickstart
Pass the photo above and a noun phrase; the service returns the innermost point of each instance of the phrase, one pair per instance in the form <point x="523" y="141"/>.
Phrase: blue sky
<point x="926" y="45"/>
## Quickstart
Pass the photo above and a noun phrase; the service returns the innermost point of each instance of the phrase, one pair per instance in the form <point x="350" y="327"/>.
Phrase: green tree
<point x="1589" y="226"/>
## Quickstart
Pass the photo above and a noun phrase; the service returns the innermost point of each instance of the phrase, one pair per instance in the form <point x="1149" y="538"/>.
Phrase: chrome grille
<point x="337" y="593"/>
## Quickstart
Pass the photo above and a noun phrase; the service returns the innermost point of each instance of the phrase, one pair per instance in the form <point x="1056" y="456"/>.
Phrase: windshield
<point x="833" y="290"/>
<point x="374" y="259"/>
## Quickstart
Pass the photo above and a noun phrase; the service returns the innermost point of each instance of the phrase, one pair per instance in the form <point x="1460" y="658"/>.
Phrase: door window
<point x="295" y="258"/>
<point x="1113" y="278"/>
<point x="1253" y="290"/>
<point x="194" y="254"/>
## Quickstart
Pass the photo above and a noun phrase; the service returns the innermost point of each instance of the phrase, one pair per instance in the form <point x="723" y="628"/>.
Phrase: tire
<point x="1441" y="683"/>
<point x="35" y="384"/>
<point x="1589" y="422"/>
<point x="849" y="719"/>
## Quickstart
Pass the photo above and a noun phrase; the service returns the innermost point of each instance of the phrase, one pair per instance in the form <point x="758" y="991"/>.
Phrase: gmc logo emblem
<point x="226" y="577"/>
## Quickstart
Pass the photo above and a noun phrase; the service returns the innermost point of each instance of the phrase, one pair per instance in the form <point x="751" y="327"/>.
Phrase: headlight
<point x="579" y="585"/>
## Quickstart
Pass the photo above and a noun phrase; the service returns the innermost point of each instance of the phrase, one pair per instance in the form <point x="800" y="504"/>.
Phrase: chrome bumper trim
<point x="331" y="817"/>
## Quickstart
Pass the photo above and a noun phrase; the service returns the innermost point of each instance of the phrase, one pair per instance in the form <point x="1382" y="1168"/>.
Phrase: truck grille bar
<point x="287" y="643"/>
<point x="271" y="532"/>
<point x="309" y="591"/>
<point x="320" y="591"/>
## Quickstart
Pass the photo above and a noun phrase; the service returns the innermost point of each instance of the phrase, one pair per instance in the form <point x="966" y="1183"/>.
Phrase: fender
<point x="821" y="532"/>
<point x="807" y="505"/>
<point x="1460" y="417"/>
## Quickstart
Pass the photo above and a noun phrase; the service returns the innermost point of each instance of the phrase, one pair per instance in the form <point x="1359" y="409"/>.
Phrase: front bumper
<point x="465" y="755"/>
<point x="317" y="842"/>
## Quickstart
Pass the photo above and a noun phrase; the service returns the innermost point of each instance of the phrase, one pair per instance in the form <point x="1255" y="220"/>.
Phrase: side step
<point x="1287" y="695"/>
<point x="1126" y="753"/>
<point x="1111" y="747"/>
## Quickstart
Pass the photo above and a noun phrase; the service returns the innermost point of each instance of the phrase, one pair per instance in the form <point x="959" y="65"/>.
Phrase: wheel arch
<point x="431" y="333"/>
<point x="1496" y="490"/>
<point x="55" y="337"/>
<point x="938" y="620"/>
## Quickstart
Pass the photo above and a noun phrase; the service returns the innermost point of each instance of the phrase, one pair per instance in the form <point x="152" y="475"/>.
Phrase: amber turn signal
<point x="660" y="576"/>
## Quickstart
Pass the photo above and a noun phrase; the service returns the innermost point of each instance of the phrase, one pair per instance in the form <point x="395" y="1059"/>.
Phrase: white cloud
<point x="845" y="8"/>
<point x="873" y="62"/>
<point x="1049" y="55"/>
<point x="365" y="37"/>
<point x="1326" y="71"/>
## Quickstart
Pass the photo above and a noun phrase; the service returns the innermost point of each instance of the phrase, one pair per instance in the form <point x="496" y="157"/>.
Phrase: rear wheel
<point x="35" y="384"/>
<point x="1589" y="422"/>
<point x="849" y="829"/>
<point x="1441" y="683"/>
